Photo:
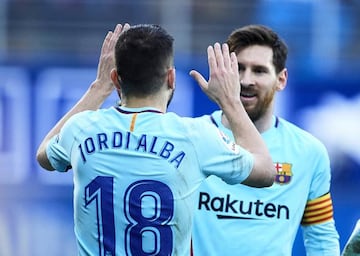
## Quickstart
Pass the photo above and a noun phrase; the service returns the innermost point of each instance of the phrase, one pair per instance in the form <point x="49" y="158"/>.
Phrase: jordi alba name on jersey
<point x="136" y="172"/>
<point x="240" y="220"/>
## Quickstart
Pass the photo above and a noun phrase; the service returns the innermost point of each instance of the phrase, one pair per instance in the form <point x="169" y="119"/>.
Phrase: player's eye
<point x="260" y="70"/>
<point x="241" y="67"/>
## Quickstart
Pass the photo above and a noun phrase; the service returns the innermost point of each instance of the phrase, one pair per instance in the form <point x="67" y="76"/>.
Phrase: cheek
<point x="267" y="98"/>
<point x="267" y="91"/>
<point x="267" y="85"/>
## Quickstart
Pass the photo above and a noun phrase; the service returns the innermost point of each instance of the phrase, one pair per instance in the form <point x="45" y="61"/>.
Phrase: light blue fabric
<point x="134" y="190"/>
<point x="240" y="220"/>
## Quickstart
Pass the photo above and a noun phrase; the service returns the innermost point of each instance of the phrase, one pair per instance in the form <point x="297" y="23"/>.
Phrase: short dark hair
<point x="143" y="54"/>
<point x="259" y="35"/>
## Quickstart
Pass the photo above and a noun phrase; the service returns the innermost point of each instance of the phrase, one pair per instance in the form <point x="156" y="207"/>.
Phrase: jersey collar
<point x="126" y="110"/>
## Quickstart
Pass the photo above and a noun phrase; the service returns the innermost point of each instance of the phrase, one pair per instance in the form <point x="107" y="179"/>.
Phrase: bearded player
<point x="240" y="220"/>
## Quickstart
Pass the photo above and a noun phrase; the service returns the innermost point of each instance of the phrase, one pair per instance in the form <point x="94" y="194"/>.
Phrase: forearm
<point x="244" y="131"/>
<point x="247" y="136"/>
<point x="93" y="98"/>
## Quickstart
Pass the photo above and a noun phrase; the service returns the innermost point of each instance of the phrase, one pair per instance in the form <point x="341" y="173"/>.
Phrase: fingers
<point x="117" y="30"/>
<point x="234" y="63"/>
<point x="115" y="35"/>
<point x="126" y="27"/>
<point x="226" y="56"/>
<point x="112" y="36"/>
<point x="223" y="68"/>
<point x="219" y="57"/>
<point x="121" y="28"/>
<point x="211" y="59"/>
<point x="199" y="79"/>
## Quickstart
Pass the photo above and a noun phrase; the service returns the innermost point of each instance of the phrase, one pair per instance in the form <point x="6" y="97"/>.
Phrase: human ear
<point x="115" y="78"/>
<point x="282" y="80"/>
<point x="171" y="78"/>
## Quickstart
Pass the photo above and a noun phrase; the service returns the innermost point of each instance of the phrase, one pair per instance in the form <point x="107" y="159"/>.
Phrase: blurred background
<point x="48" y="56"/>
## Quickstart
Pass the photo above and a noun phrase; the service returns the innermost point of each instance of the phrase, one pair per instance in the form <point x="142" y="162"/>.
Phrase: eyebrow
<point x="254" y="66"/>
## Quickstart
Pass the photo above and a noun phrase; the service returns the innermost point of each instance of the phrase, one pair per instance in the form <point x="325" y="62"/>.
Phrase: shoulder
<point x="300" y="136"/>
<point x="215" y="114"/>
<point x="201" y="126"/>
<point x="213" y="118"/>
<point x="86" y="118"/>
<point x="203" y="122"/>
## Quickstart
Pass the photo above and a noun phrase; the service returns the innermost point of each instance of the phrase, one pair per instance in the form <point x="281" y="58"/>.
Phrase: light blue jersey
<point x="136" y="172"/>
<point x="240" y="220"/>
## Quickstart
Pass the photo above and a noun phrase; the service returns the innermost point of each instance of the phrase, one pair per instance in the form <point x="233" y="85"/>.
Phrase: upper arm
<point x="318" y="225"/>
<point x="54" y="153"/>
<point x="259" y="176"/>
<point x="42" y="158"/>
<point x="320" y="183"/>
<point x="219" y="155"/>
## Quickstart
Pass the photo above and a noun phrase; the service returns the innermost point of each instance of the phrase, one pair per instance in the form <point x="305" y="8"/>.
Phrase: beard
<point x="261" y="107"/>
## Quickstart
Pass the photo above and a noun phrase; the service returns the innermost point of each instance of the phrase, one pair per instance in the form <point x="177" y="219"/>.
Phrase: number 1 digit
<point x="100" y="190"/>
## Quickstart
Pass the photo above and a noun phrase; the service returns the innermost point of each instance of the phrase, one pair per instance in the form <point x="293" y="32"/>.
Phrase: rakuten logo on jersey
<point x="230" y="208"/>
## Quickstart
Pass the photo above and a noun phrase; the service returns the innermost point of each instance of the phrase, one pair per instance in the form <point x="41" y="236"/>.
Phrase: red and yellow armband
<point x="318" y="211"/>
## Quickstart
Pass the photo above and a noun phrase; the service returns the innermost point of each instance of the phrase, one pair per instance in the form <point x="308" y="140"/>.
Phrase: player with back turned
<point x="240" y="220"/>
<point x="136" y="167"/>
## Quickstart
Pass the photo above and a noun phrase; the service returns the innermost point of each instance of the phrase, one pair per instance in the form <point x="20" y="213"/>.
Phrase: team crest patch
<point x="283" y="173"/>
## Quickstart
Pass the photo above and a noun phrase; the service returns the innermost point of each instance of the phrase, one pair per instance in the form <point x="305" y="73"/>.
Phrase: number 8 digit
<point x="149" y="208"/>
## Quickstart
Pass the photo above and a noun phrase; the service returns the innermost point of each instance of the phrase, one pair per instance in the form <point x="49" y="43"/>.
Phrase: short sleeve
<point x="320" y="184"/>
<point x="219" y="155"/>
<point x="57" y="155"/>
<point x="59" y="147"/>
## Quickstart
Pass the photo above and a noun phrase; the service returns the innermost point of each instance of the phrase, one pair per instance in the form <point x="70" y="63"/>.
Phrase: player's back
<point x="134" y="173"/>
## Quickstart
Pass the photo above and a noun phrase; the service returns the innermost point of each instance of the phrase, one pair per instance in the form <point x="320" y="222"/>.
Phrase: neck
<point x="141" y="102"/>
<point x="262" y="124"/>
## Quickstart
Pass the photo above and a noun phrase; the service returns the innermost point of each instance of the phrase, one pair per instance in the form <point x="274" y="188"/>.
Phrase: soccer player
<point x="240" y="220"/>
<point x="136" y="168"/>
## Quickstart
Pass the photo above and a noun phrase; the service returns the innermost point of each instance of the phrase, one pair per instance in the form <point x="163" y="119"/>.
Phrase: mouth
<point x="247" y="95"/>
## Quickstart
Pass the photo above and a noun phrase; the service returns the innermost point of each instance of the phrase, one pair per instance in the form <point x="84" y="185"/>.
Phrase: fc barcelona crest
<point x="283" y="173"/>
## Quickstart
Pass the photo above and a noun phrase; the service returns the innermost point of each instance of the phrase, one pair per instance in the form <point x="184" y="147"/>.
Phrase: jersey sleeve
<point x="319" y="208"/>
<point x="219" y="155"/>
<point x="320" y="184"/>
<point x="57" y="155"/>
<point x="321" y="239"/>
<point x="59" y="147"/>
<point x="318" y="226"/>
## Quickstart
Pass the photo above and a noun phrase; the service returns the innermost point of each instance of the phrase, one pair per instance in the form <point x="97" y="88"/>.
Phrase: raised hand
<point x="223" y="85"/>
<point x="96" y="94"/>
<point x="107" y="57"/>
